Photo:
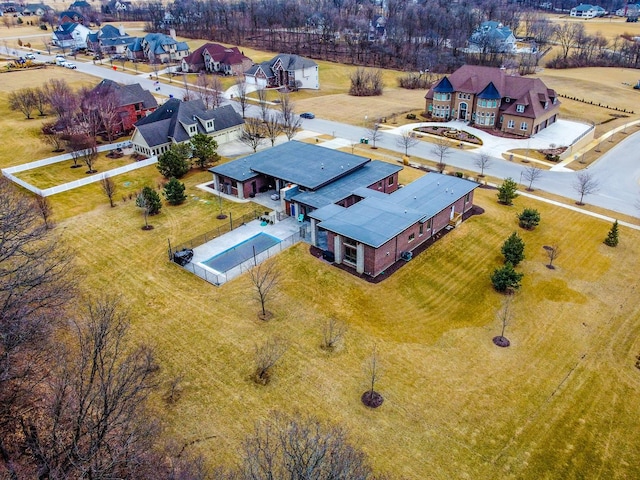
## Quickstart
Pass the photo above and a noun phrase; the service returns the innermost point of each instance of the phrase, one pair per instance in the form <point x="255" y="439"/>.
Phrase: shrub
<point x="513" y="249"/>
<point x="43" y="26"/>
<point x="366" y="83"/>
<point x="459" y="174"/>
<point x="411" y="116"/>
<point x="506" y="279"/>
<point x="507" y="192"/>
<point x="529" y="218"/>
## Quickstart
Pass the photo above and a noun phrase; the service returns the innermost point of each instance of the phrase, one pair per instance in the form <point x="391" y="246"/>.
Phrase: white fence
<point x="9" y="172"/>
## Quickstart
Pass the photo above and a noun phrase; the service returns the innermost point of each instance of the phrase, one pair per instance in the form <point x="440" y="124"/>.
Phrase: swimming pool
<point x="241" y="252"/>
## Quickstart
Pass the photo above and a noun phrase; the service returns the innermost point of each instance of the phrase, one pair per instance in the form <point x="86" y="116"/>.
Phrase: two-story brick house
<point x="490" y="98"/>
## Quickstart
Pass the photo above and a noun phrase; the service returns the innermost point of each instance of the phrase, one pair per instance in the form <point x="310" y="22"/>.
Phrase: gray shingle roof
<point x="289" y="62"/>
<point x="304" y="164"/>
<point x="168" y="120"/>
<point x="376" y="219"/>
<point x="128" y="94"/>
<point x="369" y="174"/>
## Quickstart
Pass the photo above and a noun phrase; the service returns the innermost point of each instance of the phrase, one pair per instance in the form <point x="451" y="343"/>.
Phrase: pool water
<point x="242" y="252"/>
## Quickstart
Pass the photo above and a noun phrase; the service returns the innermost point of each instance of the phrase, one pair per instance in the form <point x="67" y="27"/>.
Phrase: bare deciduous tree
<point x="272" y="127"/>
<point x="252" y="133"/>
<point x="505" y="315"/>
<point x="89" y="156"/>
<point x="333" y="331"/>
<point x="109" y="188"/>
<point x="532" y="174"/>
<point x="483" y="162"/>
<point x="45" y="210"/>
<point x="52" y="136"/>
<point x="262" y="103"/>
<point x="365" y="83"/>
<point x="371" y="398"/>
<point x="288" y="119"/>
<point x="374" y="134"/>
<point x="585" y="184"/>
<point x="241" y="95"/>
<point x="62" y="99"/>
<point x="23" y="100"/>
<point x="209" y="90"/>
<point x="264" y="278"/>
<point x="407" y="140"/>
<point x="300" y="447"/>
<point x="441" y="149"/>
<point x="567" y="35"/>
<point x="267" y="356"/>
<point x="553" y="251"/>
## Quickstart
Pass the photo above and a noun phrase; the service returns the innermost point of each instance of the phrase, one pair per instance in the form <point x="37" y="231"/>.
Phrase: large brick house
<point x="133" y="103"/>
<point x="354" y="205"/>
<point x="216" y="58"/>
<point x="490" y="98"/>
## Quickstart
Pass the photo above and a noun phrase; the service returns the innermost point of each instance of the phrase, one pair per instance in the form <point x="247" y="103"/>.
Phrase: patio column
<point x="360" y="257"/>
<point x="337" y="249"/>
<point x="216" y="181"/>
<point x="240" y="186"/>
<point x="313" y="232"/>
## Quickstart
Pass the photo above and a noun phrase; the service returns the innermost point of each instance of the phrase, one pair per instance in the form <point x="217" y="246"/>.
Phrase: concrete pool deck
<point x="282" y="230"/>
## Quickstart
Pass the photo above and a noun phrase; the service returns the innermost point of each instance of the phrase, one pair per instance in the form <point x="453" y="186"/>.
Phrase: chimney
<point x="172" y="33"/>
<point x="121" y="30"/>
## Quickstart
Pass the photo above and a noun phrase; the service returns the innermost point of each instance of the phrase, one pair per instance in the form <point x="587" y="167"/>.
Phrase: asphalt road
<point x="617" y="172"/>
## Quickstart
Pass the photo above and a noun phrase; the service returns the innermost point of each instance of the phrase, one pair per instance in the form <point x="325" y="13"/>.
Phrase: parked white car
<point x="70" y="65"/>
<point x="30" y="56"/>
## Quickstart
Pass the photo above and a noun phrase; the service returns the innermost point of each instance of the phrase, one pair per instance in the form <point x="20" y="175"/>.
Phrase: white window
<point x="350" y="253"/>
<point x="412" y="237"/>
<point x="524" y="126"/>
<point x="519" y="108"/>
<point x="511" y="124"/>
<point x="421" y="232"/>
<point x="492" y="119"/>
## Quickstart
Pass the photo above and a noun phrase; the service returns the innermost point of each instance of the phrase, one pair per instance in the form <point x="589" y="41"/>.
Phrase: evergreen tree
<point x="152" y="200"/>
<point x="612" y="236"/>
<point x="204" y="149"/>
<point x="174" y="191"/>
<point x="513" y="249"/>
<point x="506" y="279"/>
<point x="175" y="161"/>
<point x="507" y="192"/>
<point x="529" y="218"/>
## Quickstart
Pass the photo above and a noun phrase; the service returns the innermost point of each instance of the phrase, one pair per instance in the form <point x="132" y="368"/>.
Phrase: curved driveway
<point x="617" y="171"/>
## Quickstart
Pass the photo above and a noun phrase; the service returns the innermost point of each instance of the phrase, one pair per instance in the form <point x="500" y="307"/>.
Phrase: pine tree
<point x="174" y="191"/>
<point x="506" y="279"/>
<point x="513" y="249"/>
<point x="507" y="191"/>
<point x="529" y="218"/>
<point x="152" y="200"/>
<point x="612" y="236"/>
<point x="175" y="161"/>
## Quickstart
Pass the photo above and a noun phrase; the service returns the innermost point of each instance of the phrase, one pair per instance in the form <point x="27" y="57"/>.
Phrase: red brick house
<point x="216" y="58"/>
<point x="490" y="98"/>
<point x="354" y="205"/>
<point x="132" y="101"/>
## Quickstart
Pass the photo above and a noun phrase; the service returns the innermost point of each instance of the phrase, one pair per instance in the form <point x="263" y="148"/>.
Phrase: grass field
<point x="556" y="404"/>
<point x="559" y="403"/>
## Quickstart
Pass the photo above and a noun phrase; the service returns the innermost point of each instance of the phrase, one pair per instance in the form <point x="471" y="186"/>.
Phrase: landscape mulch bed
<point x="317" y="252"/>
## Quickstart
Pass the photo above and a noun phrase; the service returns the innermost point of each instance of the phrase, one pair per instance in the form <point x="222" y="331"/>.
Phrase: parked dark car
<point x="307" y="115"/>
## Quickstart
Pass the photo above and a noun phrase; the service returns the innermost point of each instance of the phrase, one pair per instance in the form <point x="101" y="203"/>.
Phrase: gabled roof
<point x="304" y="164"/>
<point x="519" y="90"/>
<point x="167" y="122"/>
<point x="109" y="31"/>
<point x="289" y="62"/>
<point x="127" y="94"/>
<point x="156" y="42"/>
<point x="378" y="219"/>
<point x="219" y="53"/>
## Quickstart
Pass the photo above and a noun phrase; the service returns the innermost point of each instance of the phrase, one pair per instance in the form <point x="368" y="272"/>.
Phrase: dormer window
<point x="520" y="108"/>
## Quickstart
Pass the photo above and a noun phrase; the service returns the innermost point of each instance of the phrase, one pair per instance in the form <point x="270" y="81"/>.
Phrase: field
<point x="559" y="403"/>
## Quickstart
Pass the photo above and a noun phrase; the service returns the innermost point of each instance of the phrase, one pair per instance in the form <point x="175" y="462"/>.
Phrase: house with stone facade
<point x="216" y="58"/>
<point x="490" y="98"/>
<point x="284" y="70"/>
<point x="355" y="207"/>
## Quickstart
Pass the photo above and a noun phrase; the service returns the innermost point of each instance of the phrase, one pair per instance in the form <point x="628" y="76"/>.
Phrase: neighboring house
<point x="109" y="40"/>
<point x="493" y="37"/>
<point x="69" y="16"/>
<point x="81" y="5"/>
<point x="285" y="70"/>
<point x="377" y="28"/>
<point x="161" y="48"/>
<point x="216" y="58"/>
<point x="585" y="10"/>
<point x="70" y="35"/>
<point x="177" y="121"/>
<point x="629" y="10"/>
<point x="134" y="103"/>
<point x="35" y="9"/>
<point x="134" y="50"/>
<point x="354" y="205"/>
<point x="490" y="98"/>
